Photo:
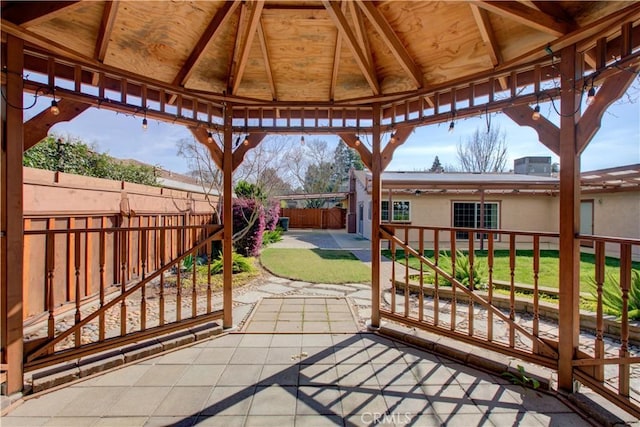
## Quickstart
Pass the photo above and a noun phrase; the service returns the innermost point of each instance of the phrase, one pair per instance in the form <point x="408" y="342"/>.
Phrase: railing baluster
<point x="76" y="256"/>
<point x="406" y="273"/>
<point x="143" y="290"/>
<point x="436" y="285"/>
<point x="490" y="296"/>
<point x="180" y="229"/>
<point x="453" y="286"/>
<point x="625" y="284"/>
<point x="599" y="344"/>
<point x="393" y="274"/>
<point x="163" y="251"/>
<point x="471" y="287"/>
<point x="194" y="291"/>
<point x="51" y="266"/>
<point x="421" y="293"/>
<point x="536" y="295"/>
<point x="102" y="255"/>
<point x="209" y="256"/>
<point x="512" y="289"/>
<point x="124" y="260"/>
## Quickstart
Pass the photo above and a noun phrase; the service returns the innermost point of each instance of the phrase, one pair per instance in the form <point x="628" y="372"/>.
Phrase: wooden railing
<point x="142" y="295"/>
<point x="432" y="297"/>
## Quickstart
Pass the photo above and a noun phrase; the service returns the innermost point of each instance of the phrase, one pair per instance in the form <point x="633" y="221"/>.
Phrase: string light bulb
<point x="452" y="126"/>
<point x="54" y="108"/>
<point x="302" y="140"/>
<point x="357" y="140"/>
<point x="246" y="140"/>
<point x="591" y="95"/>
<point x="536" y="113"/>
<point x="145" y="124"/>
<point x="209" y="137"/>
<point x="393" y="138"/>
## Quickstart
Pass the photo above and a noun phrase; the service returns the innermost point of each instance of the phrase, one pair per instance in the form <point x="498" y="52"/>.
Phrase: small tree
<point x="436" y="166"/>
<point x="484" y="151"/>
<point x="248" y="215"/>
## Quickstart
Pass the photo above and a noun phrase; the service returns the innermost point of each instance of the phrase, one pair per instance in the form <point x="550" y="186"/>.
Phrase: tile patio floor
<point x="308" y="367"/>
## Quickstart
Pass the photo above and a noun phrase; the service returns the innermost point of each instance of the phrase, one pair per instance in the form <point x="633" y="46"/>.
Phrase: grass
<point x="316" y="265"/>
<point x="548" y="272"/>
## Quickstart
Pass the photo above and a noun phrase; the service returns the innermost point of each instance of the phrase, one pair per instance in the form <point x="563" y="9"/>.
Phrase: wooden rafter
<point x="207" y="37"/>
<point x="37" y="128"/>
<point x="28" y="13"/>
<point x="106" y="26"/>
<point x="254" y="13"/>
<point x="349" y="37"/>
<point x="392" y="41"/>
<point x="365" y="155"/>
<point x="395" y="141"/>
<point x="360" y="30"/>
<point x="267" y="63"/>
<point x="486" y="31"/>
<point x="527" y="16"/>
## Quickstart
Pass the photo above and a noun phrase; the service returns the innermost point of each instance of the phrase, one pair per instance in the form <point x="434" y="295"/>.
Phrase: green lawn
<point x="315" y="265"/>
<point x="547" y="275"/>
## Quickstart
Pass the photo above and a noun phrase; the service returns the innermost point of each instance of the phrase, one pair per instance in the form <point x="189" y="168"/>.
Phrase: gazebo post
<point x="12" y="240"/>
<point x="569" y="217"/>
<point x="227" y="218"/>
<point x="376" y="194"/>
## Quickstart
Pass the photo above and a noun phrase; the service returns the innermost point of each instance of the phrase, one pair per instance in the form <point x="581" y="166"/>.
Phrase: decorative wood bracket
<point x="365" y="154"/>
<point x="253" y="140"/>
<point x="548" y="133"/>
<point x="37" y="128"/>
<point x="397" y="140"/>
<point x="203" y="138"/>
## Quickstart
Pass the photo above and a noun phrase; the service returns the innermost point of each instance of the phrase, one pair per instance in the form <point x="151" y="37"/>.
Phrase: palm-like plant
<point x="463" y="270"/>
<point x="612" y="295"/>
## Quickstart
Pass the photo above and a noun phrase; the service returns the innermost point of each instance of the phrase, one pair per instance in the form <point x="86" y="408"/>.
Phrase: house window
<point x="467" y="215"/>
<point x="401" y="211"/>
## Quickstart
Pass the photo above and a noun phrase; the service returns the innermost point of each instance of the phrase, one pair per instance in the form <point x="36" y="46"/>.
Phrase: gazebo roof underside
<point x="318" y="55"/>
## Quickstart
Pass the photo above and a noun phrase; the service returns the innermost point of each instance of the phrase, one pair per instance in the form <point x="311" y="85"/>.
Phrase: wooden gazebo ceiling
<point x="319" y="52"/>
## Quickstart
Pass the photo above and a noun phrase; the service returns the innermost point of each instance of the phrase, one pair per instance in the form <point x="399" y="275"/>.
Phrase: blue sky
<point x="616" y="144"/>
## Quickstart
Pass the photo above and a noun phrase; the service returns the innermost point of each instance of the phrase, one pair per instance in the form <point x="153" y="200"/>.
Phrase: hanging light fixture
<point x="54" y="107"/>
<point x="209" y="137"/>
<point x="246" y="140"/>
<point x="591" y="95"/>
<point x="536" y="113"/>
<point x="145" y="124"/>
<point x="358" y="142"/>
<point x="302" y="140"/>
<point x="452" y="126"/>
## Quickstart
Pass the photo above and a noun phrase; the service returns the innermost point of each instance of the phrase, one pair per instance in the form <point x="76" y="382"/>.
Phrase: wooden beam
<point x="227" y="221"/>
<point x="393" y="42"/>
<point x="365" y="155"/>
<point x="528" y="16"/>
<point x="201" y="135"/>
<point x="349" y="37"/>
<point x="486" y="31"/>
<point x="29" y="13"/>
<point x="255" y="11"/>
<point x="106" y="27"/>
<point x="37" y="128"/>
<point x="360" y="30"/>
<point x="569" y="215"/>
<point x="267" y="62"/>
<point x="610" y="91"/>
<point x="208" y="36"/>
<point x="252" y="142"/>
<point x="11" y="221"/>
<point x="548" y="133"/>
<point x="376" y="197"/>
<point x="397" y="140"/>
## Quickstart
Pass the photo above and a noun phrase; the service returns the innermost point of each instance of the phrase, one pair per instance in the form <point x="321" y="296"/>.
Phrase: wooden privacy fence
<point x="333" y="218"/>
<point x="465" y="303"/>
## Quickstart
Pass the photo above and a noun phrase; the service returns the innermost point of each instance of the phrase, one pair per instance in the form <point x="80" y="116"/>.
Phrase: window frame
<point x="393" y="212"/>
<point x="476" y="219"/>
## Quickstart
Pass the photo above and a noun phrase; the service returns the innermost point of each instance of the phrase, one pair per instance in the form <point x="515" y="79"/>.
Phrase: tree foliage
<point x="345" y="158"/>
<point x="484" y="151"/>
<point x="436" y="166"/>
<point x="78" y="158"/>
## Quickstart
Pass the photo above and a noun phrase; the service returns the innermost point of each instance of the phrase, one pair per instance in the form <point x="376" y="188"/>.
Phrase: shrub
<point x="240" y="264"/>
<point x="269" y="237"/>
<point x="271" y="215"/>
<point x="248" y="222"/>
<point x="612" y="295"/>
<point x="463" y="270"/>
